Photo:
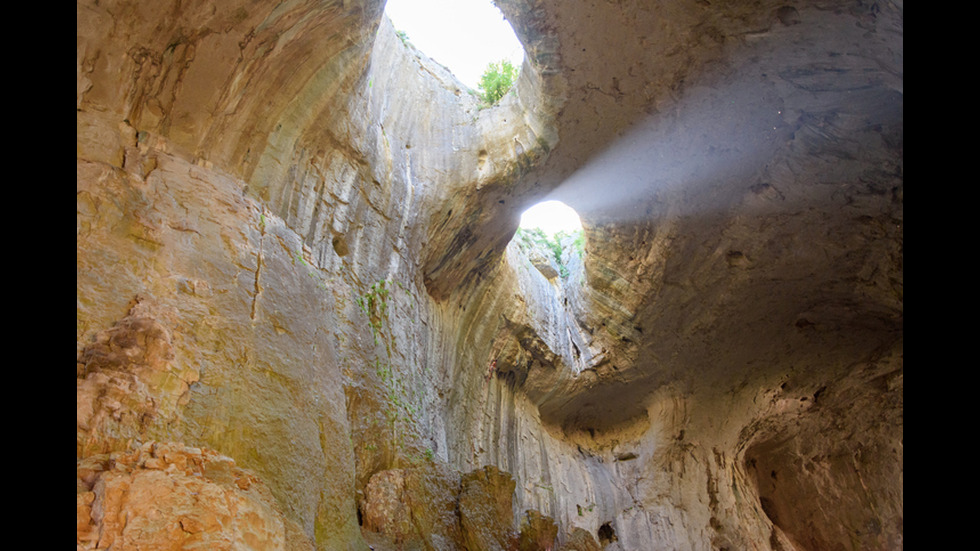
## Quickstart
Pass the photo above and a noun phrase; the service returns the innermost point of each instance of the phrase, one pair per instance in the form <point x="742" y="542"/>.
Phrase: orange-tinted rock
<point x="413" y="507"/>
<point x="486" y="509"/>
<point x="385" y="509"/>
<point x="580" y="540"/>
<point x="161" y="496"/>
<point x="126" y="381"/>
<point x="248" y="171"/>
<point x="538" y="532"/>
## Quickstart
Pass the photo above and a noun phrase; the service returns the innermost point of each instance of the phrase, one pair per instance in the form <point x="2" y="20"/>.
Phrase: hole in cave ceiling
<point x="463" y="35"/>
<point x="551" y="217"/>
<point x="554" y="229"/>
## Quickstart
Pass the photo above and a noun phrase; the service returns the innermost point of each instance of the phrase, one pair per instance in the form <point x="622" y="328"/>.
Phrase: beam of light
<point x="713" y="138"/>
<point x="463" y="35"/>
<point x="552" y="217"/>
<point x="699" y="149"/>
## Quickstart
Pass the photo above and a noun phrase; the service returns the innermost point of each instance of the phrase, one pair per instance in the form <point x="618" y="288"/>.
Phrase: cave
<point x="305" y="317"/>
<point x="606" y="535"/>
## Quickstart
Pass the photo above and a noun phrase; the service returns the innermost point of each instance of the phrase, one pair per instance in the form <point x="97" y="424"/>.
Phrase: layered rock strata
<point x="293" y="249"/>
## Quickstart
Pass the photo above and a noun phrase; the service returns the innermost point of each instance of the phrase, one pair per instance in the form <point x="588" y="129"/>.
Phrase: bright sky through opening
<point x="552" y="217"/>
<point x="463" y="35"/>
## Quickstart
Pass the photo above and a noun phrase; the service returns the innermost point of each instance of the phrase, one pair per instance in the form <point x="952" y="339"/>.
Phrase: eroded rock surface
<point x="486" y="509"/>
<point x="126" y="381"/>
<point x="169" y="496"/>
<point x="294" y="249"/>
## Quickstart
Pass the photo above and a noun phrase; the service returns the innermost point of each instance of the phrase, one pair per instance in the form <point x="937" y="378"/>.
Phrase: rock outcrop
<point x="301" y="322"/>
<point x="166" y="496"/>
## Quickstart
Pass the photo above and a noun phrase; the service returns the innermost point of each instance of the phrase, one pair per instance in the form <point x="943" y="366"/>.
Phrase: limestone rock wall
<point x="210" y="288"/>
<point x="170" y="497"/>
<point x="701" y="468"/>
<point x="293" y="265"/>
<point x="237" y="246"/>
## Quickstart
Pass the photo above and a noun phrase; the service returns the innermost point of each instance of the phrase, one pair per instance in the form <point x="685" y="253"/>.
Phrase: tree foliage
<point x="553" y="243"/>
<point x="497" y="79"/>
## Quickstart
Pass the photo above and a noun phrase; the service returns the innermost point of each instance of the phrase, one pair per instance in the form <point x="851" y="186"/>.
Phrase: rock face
<point x="302" y="324"/>
<point x="165" y="496"/>
<point x="127" y="381"/>
<point x="486" y="509"/>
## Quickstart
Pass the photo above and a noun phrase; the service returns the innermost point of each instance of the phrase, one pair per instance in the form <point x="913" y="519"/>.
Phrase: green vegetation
<point x="544" y="486"/>
<point x="537" y="237"/>
<point x="403" y="404"/>
<point x="313" y="272"/>
<point x="403" y="36"/>
<point x="579" y="242"/>
<point x="298" y="255"/>
<point x="374" y="304"/>
<point x="496" y="81"/>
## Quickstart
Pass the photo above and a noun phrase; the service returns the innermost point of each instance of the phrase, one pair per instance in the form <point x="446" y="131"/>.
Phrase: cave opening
<point x="465" y="36"/>
<point x="606" y="534"/>
<point x="551" y="232"/>
<point x="551" y="217"/>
